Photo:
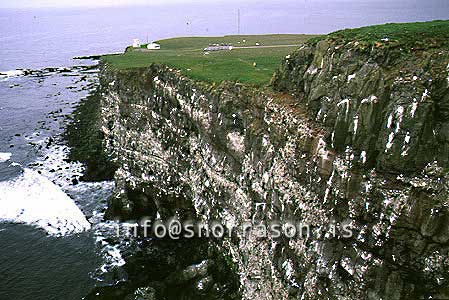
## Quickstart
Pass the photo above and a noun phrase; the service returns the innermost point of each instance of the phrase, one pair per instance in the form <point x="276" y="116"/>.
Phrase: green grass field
<point x="236" y="40"/>
<point x="187" y="55"/>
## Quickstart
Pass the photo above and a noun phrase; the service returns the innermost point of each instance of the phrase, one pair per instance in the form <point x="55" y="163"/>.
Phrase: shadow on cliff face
<point x="168" y="269"/>
<point x="85" y="139"/>
<point x="165" y="268"/>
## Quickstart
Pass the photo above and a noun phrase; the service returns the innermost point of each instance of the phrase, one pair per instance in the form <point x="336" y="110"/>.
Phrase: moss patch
<point x="419" y="35"/>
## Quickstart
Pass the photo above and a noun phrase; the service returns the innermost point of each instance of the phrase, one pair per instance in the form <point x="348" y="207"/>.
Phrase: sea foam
<point x="5" y="157"/>
<point x="34" y="200"/>
<point x="11" y="73"/>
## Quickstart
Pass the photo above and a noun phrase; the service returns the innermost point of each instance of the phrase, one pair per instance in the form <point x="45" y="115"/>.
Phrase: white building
<point x="136" y="43"/>
<point x="153" y="46"/>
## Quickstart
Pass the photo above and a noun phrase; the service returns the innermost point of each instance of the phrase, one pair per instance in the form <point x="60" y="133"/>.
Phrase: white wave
<point x="33" y="199"/>
<point x="11" y="73"/>
<point x="56" y="168"/>
<point x="112" y="255"/>
<point x="59" y="170"/>
<point x="5" y="156"/>
<point x="111" y="252"/>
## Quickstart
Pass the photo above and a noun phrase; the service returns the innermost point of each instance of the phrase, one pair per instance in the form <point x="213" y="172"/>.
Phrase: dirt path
<point x="271" y="46"/>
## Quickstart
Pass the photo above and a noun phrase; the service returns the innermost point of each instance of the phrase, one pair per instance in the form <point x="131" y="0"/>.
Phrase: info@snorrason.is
<point x="174" y="228"/>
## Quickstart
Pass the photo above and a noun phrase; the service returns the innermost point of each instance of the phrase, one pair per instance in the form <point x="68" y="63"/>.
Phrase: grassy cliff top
<point x="196" y="43"/>
<point x="419" y="35"/>
<point x="247" y="63"/>
<point x="251" y="64"/>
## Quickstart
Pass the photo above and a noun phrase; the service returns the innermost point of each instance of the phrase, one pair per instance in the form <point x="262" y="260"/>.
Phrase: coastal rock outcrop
<point x="352" y="137"/>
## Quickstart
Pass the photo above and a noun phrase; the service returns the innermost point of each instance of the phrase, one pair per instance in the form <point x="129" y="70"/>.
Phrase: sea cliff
<point x="350" y="134"/>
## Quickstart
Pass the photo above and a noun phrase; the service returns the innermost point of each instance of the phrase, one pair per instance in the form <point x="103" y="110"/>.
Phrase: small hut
<point x="153" y="46"/>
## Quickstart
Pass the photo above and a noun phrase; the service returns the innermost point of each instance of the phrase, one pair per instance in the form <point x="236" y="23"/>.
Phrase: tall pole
<point x="238" y="23"/>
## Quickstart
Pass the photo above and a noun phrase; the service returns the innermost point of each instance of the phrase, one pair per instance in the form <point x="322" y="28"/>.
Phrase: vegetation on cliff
<point x="418" y="35"/>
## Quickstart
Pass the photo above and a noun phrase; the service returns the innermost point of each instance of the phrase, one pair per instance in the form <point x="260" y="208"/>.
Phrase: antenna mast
<point x="238" y="22"/>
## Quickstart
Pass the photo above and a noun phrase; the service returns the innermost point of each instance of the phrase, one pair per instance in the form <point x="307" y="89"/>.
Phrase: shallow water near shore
<point x="50" y="227"/>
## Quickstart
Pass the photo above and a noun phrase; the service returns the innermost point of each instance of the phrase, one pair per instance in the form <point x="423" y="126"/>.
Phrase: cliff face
<point x="390" y="104"/>
<point x="353" y="136"/>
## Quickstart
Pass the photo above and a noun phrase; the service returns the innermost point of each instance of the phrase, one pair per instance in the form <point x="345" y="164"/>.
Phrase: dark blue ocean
<point x="52" y="237"/>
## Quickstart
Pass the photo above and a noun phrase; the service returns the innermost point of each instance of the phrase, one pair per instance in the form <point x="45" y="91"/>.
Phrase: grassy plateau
<point x="255" y="65"/>
<point x="249" y="64"/>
